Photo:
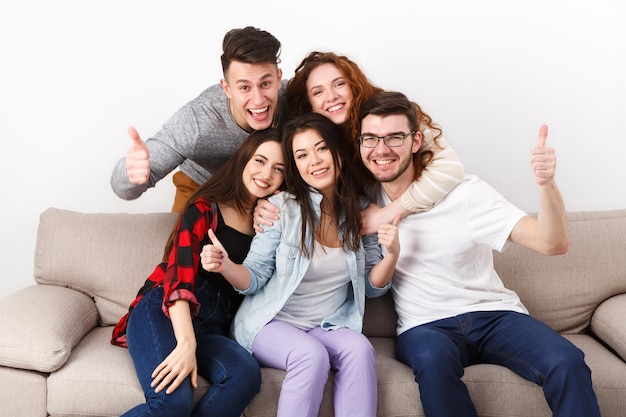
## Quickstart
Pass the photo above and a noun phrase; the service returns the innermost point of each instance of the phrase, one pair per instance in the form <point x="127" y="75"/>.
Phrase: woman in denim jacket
<point x="305" y="277"/>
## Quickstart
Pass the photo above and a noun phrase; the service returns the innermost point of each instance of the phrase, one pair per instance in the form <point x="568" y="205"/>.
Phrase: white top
<point x="321" y="292"/>
<point x="446" y="262"/>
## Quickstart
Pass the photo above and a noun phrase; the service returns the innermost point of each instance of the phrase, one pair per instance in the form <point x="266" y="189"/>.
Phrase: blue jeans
<point x="233" y="373"/>
<point x="437" y="352"/>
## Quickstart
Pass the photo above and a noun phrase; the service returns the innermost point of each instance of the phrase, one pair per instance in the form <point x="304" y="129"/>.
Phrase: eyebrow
<point x="399" y="132"/>
<point x="259" y="155"/>
<point x="246" y="81"/>
<point x="334" y="80"/>
<point x="314" y="145"/>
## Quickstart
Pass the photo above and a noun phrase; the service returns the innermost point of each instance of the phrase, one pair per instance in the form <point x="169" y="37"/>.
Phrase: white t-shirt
<point x="446" y="262"/>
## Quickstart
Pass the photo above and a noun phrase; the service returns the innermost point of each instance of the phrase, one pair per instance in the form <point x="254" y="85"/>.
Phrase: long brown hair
<point x="346" y="199"/>
<point x="226" y="184"/>
<point x="362" y="90"/>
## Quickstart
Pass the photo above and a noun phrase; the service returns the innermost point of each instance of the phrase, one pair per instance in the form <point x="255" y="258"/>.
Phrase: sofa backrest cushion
<point x="563" y="291"/>
<point x="106" y="256"/>
<point x="380" y="317"/>
<point x="109" y="256"/>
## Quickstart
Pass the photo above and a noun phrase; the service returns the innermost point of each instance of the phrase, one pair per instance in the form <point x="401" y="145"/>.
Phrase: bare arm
<point x="181" y="362"/>
<point x="382" y="272"/>
<point x="548" y="234"/>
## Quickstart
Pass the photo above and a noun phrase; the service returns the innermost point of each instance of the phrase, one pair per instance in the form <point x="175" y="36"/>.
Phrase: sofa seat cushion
<point x="608" y="374"/>
<point x="26" y="390"/>
<point x="265" y="403"/>
<point x="98" y="376"/>
<point x="495" y="390"/>
<point x="41" y="324"/>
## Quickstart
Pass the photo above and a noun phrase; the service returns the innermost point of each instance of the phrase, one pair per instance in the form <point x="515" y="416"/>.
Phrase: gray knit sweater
<point x="199" y="138"/>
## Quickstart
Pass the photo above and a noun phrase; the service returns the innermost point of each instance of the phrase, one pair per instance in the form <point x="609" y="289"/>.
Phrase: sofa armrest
<point x="609" y="324"/>
<point x="39" y="326"/>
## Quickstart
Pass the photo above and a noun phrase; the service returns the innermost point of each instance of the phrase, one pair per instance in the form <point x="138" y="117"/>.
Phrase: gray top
<point x="199" y="138"/>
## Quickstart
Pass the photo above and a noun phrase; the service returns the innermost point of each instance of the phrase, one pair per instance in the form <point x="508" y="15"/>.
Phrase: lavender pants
<point x="308" y="356"/>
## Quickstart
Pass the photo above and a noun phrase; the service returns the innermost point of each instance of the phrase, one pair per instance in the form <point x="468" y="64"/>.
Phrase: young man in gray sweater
<point x="203" y="134"/>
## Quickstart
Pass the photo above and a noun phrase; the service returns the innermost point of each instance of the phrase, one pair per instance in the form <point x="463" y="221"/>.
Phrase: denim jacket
<point x="277" y="266"/>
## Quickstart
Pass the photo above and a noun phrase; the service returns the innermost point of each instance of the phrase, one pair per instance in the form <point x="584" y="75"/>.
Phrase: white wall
<point x="75" y="74"/>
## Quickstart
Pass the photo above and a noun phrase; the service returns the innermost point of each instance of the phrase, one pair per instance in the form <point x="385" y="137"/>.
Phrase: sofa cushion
<point x="380" y="318"/>
<point x="41" y="324"/>
<point x="22" y="393"/>
<point x="608" y="374"/>
<point x="495" y="390"/>
<point x="609" y="323"/>
<point x="563" y="291"/>
<point x="107" y="256"/>
<point x="97" y="377"/>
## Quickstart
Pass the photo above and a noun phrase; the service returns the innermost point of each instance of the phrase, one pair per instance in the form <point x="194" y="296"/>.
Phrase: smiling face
<point x="389" y="164"/>
<point x="265" y="171"/>
<point x="252" y="90"/>
<point x="314" y="161"/>
<point x="329" y="93"/>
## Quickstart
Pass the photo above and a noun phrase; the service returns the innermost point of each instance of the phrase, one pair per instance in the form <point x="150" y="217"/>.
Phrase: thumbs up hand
<point x="543" y="159"/>
<point x="137" y="159"/>
<point x="388" y="236"/>
<point x="213" y="256"/>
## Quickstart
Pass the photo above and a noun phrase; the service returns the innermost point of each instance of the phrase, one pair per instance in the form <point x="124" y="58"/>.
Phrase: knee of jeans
<point x="566" y="360"/>
<point x="248" y="373"/>
<point x="428" y="353"/>
<point x="427" y="359"/>
<point x="177" y="404"/>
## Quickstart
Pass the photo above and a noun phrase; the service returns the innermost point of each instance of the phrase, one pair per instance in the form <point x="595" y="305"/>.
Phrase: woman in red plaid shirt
<point x="177" y="327"/>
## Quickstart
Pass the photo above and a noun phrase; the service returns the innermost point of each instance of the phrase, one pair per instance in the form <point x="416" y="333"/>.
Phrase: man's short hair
<point x="390" y="103"/>
<point x="249" y="45"/>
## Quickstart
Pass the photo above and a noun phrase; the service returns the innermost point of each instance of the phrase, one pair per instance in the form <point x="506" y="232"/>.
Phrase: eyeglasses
<point x="395" y="140"/>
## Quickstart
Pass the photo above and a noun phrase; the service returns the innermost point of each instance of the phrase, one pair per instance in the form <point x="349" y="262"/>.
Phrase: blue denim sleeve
<point x="373" y="255"/>
<point x="261" y="259"/>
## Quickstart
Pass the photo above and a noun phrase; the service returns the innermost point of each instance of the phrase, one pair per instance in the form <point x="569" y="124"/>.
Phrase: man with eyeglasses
<point x="453" y="309"/>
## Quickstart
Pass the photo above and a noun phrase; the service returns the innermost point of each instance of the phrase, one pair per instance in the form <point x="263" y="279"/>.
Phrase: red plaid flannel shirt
<point x="178" y="274"/>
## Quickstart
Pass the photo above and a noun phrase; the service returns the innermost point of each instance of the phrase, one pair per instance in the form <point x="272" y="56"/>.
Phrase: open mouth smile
<point x="335" y="108"/>
<point x="261" y="184"/>
<point x="258" y="111"/>
<point x="382" y="161"/>
<point x="260" y="114"/>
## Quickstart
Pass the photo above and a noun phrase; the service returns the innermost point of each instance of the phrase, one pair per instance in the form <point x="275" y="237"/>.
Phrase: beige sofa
<point x="56" y="359"/>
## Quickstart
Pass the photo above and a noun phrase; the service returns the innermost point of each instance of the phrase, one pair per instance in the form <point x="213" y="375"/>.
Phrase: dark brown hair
<point x="249" y="45"/>
<point x="346" y="199"/>
<point x="226" y="184"/>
